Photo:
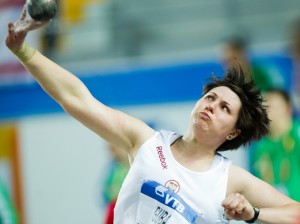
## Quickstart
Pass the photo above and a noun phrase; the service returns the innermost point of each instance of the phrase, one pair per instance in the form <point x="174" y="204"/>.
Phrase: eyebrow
<point x="223" y="100"/>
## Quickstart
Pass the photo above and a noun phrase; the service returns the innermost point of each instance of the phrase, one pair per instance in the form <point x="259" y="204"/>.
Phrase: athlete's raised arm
<point x="66" y="89"/>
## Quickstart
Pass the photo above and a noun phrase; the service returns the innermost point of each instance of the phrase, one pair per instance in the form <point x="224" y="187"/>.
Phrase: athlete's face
<point x="217" y="112"/>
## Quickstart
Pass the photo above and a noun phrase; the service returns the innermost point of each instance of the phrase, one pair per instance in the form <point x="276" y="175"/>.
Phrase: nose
<point x="211" y="107"/>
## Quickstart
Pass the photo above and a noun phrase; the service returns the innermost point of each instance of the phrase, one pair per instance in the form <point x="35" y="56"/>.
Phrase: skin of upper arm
<point x="116" y="127"/>
<point x="256" y="191"/>
<point x="70" y="92"/>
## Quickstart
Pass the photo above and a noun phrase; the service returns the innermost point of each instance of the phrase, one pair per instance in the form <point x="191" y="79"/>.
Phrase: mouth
<point x="205" y="116"/>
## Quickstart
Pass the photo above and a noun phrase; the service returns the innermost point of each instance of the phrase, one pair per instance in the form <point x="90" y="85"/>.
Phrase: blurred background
<point x="147" y="58"/>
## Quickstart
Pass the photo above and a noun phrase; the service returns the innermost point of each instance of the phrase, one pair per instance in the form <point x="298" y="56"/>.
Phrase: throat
<point x="192" y="158"/>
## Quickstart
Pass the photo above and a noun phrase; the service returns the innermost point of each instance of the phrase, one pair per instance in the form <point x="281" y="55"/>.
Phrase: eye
<point x="225" y="108"/>
<point x="210" y="97"/>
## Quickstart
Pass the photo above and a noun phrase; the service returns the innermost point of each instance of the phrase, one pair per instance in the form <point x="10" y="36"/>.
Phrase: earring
<point x="229" y="137"/>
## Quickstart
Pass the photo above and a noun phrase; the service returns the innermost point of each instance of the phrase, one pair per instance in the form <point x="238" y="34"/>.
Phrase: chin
<point x="200" y="124"/>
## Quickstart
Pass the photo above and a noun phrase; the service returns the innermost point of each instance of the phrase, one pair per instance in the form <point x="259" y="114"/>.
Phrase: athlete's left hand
<point x="26" y="24"/>
<point x="17" y="31"/>
<point x="237" y="207"/>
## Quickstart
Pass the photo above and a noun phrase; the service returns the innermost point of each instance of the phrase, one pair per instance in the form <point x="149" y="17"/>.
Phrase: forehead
<point x="226" y="94"/>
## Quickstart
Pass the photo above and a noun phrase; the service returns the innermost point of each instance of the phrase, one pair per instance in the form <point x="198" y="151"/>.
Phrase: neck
<point x="202" y="142"/>
<point x="196" y="146"/>
<point x="192" y="154"/>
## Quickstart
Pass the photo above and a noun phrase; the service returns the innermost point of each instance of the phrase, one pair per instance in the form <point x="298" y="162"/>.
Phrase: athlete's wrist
<point x="24" y="53"/>
<point x="255" y="216"/>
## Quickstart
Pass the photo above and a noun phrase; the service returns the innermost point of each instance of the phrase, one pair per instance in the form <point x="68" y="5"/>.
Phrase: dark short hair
<point x="253" y="119"/>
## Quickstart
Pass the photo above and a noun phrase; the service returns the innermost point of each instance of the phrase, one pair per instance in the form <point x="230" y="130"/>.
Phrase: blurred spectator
<point x="7" y="210"/>
<point x="118" y="170"/>
<point x="276" y="158"/>
<point x="295" y="55"/>
<point x="265" y="76"/>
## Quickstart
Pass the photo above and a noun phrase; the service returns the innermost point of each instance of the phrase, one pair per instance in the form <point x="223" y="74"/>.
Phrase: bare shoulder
<point x="254" y="189"/>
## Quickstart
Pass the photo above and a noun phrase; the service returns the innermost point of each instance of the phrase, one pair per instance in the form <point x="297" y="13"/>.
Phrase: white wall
<point x="63" y="163"/>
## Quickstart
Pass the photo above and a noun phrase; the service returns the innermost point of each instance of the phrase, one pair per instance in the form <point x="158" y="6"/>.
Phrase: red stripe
<point x="11" y="3"/>
<point x="11" y="68"/>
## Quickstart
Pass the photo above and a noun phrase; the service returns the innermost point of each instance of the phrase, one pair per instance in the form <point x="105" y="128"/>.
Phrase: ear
<point x="233" y="134"/>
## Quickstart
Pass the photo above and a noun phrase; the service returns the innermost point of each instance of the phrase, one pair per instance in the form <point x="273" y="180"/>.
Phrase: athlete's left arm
<point x="245" y="191"/>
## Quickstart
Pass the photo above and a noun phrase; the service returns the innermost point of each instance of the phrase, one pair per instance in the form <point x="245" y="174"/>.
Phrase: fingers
<point x="235" y="206"/>
<point x="10" y="37"/>
<point x="240" y="207"/>
<point x="11" y="28"/>
<point x="11" y="32"/>
<point x="25" y="24"/>
<point x="230" y="213"/>
<point x="232" y="200"/>
<point x="24" y="12"/>
<point x="36" y="25"/>
<point x="15" y="37"/>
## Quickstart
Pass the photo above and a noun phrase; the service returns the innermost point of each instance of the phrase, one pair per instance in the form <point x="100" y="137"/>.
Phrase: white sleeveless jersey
<point x="201" y="191"/>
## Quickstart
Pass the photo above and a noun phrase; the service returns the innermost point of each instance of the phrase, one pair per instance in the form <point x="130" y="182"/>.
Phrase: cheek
<point x="197" y="107"/>
<point x="227" y="123"/>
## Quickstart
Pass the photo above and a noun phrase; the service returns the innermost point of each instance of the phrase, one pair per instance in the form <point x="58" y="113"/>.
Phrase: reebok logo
<point x="161" y="157"/>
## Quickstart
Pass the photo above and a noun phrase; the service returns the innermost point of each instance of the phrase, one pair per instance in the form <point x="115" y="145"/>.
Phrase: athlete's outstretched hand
<point x="237" y="207"/>
<point x="17" y="31"/>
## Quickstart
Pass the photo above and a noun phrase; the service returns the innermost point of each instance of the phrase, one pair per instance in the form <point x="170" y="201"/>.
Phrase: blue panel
<point x="130" y="87"/>
<point x="151" y="85"/>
